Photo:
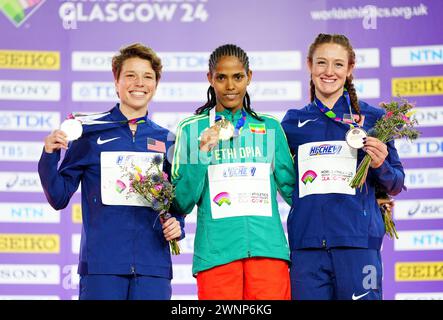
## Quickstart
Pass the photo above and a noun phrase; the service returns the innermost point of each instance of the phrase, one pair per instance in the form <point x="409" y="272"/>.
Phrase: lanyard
<point x="90" y="118"/>
<point x="331" y="114"/>
<point x="238" y="126"/>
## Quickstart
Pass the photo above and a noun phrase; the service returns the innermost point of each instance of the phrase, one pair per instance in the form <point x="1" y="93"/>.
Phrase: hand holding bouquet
<point x="154" y="187"/>
<point x="395" y="124"/>
<point x="386" y="203"/>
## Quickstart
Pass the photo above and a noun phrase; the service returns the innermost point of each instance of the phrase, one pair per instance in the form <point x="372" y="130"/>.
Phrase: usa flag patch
<point x="155" y="145"/>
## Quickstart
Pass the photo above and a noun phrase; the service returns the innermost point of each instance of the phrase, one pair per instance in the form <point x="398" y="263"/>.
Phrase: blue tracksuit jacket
<point x="335" y="219"/>
<point x="115" y="239"/>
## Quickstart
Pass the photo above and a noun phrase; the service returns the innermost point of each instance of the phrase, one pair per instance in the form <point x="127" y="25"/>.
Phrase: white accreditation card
<point x="240" y="189"/>
<point x="115" y="166"/>
<point x="326" y="167"/>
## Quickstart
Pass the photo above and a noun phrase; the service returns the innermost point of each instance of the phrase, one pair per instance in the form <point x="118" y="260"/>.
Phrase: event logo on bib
<point x="308" y="176"/>
<point x="222" y="198"/>
<point x="120" y="186"/>
<point x="18" y="11"/>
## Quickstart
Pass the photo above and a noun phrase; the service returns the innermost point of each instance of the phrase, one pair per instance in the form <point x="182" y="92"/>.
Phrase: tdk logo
<point x="182" y="61"/>
<point x="325" y="149"/>
<point x="241" y="171"/>
<point x="423" y="147"/>
<point x="29" y="121"/>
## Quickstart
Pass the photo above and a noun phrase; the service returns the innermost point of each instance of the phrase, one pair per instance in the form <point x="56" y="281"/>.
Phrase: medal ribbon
<point x="89" y="119"/>
<point x="239" y="125"/>
<point x="331" y="114"/>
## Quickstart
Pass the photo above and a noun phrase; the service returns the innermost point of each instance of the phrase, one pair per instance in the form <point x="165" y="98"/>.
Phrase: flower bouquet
<point x="154" y="187"/>
<point x="395" y="124"/>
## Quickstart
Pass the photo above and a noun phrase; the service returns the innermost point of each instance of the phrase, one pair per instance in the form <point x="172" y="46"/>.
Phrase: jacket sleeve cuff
<point x="383" y="169"/>
<point x="53" y="157"/>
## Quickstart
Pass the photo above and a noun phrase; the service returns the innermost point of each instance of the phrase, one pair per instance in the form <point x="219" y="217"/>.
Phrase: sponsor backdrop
<point x="55" y="59"/>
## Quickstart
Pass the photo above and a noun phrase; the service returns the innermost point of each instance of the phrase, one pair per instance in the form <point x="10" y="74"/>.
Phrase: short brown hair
<point x="140" y="51"/>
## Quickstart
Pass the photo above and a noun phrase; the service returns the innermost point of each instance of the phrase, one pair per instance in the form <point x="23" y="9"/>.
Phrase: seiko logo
<point x="424" y="271"/>
<point x="29" y="243"/>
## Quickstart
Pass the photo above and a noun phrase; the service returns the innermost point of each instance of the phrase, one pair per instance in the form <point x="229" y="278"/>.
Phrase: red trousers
<point x="246" y="279"/>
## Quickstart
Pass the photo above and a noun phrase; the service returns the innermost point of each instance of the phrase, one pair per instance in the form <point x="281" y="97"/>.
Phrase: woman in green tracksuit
<point x="230" y="162"/>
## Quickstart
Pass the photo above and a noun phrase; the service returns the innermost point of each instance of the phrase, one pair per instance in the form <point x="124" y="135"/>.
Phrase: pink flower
<point x="158" y="187"/>
<point x="405" y="119"/>
<point x="389" y="114"/>
<point x="165" y="176"/>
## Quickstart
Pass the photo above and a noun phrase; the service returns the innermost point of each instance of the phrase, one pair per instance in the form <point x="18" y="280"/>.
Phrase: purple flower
<point x="155" y="178"/>
<point x="157" y="160"/>
<point x="156" y="205"/>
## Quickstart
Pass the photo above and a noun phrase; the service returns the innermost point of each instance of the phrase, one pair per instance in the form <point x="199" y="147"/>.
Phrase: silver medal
<point x="354" y="137"/>
<point x="72" y="128"/>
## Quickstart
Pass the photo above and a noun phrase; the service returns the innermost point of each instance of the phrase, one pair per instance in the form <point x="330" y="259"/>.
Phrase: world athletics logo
<point x="18" y="11"/>
<point x="308" y="176"/>
<point x="221" y="198"/>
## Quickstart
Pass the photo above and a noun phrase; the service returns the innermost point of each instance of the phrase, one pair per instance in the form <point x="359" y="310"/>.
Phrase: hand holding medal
<point x="72" y="128"/>
<point x="209" y="138"/>
<point x="355" y="137"/>
<point x="220" y="129"/>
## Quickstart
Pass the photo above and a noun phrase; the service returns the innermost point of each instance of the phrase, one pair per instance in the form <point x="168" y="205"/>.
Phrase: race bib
<point x="240" y="189"/>
<point x="326" y="167"/>
<point x="115" y="168"/>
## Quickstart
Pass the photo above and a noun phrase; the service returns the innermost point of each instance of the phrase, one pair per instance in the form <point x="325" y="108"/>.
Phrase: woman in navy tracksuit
<point x="124" y="249"/>
<point x="335" y="231"/>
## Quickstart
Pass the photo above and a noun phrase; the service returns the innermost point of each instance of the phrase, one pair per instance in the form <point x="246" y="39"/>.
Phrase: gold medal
<point x="226" y="129"/>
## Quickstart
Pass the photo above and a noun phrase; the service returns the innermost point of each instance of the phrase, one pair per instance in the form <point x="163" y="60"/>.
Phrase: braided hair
<point x="339" y="39"/>
<point x="227" y="50"/>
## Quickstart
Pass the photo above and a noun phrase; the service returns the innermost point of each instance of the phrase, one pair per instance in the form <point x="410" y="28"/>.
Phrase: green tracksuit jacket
<point x="220" y="240"/>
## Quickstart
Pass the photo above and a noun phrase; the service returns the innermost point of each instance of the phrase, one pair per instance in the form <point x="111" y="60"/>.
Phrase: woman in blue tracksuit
<point x="124" y="249"/>
<point x="335" y="231"/>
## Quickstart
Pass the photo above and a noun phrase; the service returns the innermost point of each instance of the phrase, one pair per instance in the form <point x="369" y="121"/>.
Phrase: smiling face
<point x="329" y="68"/>
<point x="135" y="86"/>
<point x="230" y="81"/>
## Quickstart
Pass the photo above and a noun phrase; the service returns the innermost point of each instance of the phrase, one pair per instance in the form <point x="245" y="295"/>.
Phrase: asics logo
<point x="354" y="297"/>
<point x="301" y="124"/>
<point x="100" y="141"/>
